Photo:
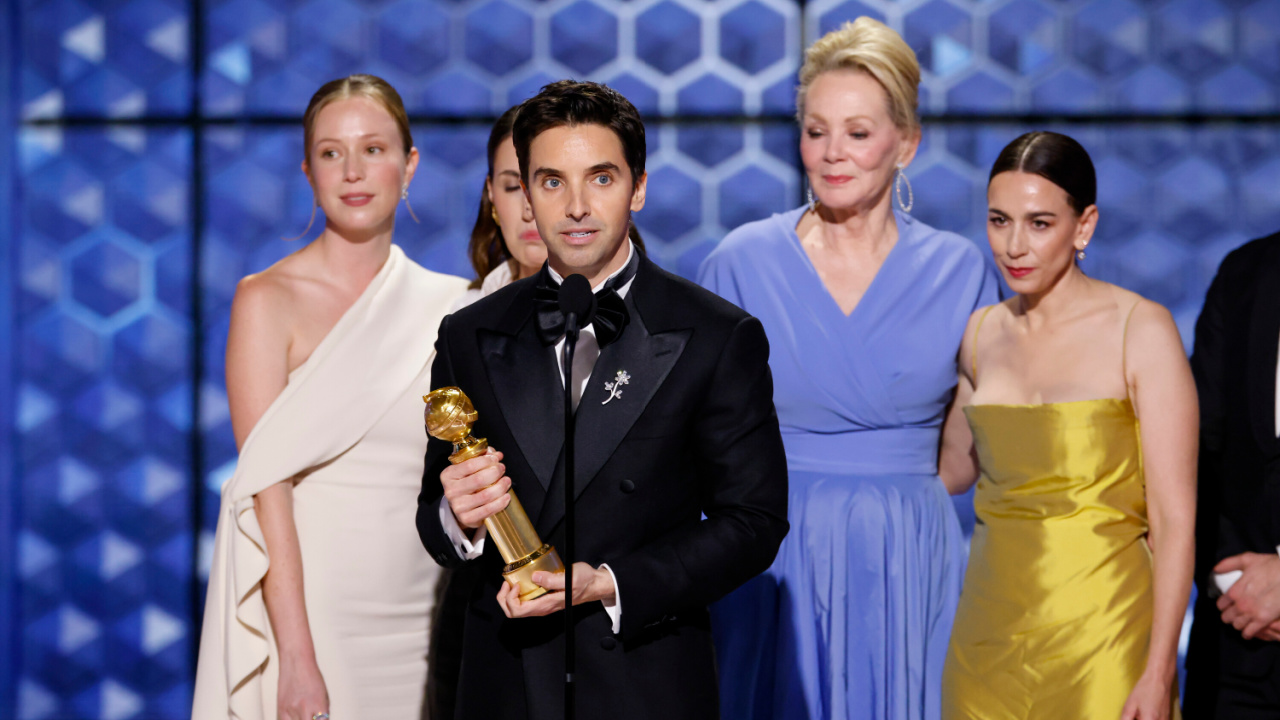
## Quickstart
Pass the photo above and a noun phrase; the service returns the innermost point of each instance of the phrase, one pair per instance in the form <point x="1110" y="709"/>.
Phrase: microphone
<point x="578" y="304"/>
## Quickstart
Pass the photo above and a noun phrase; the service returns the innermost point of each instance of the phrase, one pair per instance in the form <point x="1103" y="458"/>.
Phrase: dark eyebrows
<point x="1031" y="215"/>
<point x="593" y="170"/>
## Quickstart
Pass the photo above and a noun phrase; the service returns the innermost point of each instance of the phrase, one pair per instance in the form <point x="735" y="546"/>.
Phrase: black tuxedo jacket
<point x="1234" y="362"/>
<point x="694" y="433"/>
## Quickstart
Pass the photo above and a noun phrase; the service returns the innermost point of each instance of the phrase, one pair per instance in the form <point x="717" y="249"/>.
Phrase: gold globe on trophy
<point x="449" y="417"/>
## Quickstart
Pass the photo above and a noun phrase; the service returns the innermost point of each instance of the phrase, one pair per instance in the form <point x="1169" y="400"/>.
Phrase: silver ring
<point x="320" y="716"/>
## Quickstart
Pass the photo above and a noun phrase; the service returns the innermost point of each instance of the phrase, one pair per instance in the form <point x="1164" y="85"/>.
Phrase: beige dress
<point x="348" y="430"/>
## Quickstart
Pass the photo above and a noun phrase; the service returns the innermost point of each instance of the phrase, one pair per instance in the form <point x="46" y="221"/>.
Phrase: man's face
<point x="582" y="196"/>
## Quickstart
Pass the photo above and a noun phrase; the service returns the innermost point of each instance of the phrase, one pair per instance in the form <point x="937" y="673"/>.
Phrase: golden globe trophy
<point x="449" y="417"/>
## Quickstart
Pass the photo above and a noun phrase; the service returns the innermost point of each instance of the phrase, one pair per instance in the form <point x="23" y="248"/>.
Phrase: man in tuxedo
<point x="680" y="475"/>
<point x="1233" y="665"/>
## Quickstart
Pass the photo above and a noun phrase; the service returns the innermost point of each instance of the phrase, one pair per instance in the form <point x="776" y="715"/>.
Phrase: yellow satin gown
<point x="1055" y="615"/>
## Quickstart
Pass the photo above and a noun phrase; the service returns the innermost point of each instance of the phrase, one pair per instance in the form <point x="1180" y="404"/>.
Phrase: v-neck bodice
<point x="887" y="267"/>
<point x="865" y="392"/>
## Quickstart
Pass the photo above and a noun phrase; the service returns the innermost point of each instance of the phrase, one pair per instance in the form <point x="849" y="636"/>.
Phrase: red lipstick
<point x="1019" y="272"/>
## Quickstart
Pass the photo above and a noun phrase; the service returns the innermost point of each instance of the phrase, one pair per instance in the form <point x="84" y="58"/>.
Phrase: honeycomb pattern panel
<point x="102" y="422"/>
<point x="478" y="57"/>
<point x="1089" y="56"/>
<point x="120" y="59"/>
<point x="131" y="59"/>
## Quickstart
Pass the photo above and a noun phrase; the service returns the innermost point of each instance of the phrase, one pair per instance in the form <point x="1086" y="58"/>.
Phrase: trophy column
<point x="449" y="417"/>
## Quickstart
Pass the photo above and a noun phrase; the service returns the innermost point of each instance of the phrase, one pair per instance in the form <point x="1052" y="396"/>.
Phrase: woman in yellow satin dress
<point x="1081" y="433"/>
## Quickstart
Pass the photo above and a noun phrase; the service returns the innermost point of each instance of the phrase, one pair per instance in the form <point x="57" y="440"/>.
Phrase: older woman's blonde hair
<point x="872" y="47"/>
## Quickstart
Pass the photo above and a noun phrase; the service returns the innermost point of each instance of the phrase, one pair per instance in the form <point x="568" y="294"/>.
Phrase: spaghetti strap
<point x="973" y="353"/>
<point x="1124" y="347"/>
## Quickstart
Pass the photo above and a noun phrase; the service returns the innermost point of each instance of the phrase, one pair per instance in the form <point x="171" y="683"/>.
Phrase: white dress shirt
<point x="585" y="354"/>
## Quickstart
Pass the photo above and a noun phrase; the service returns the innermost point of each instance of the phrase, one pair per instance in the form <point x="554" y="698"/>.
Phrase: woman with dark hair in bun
<point x="1081" y="433"/>
<point x="505" y="245"/>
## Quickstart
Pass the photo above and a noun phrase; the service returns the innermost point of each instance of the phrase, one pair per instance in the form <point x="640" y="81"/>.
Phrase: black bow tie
<point x="611" y="312"/>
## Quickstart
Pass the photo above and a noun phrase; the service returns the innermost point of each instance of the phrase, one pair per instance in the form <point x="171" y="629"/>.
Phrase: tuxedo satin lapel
<point x="600" y="425"/>
<point x="1264" y="334"/>
<point x="527" y="385"/>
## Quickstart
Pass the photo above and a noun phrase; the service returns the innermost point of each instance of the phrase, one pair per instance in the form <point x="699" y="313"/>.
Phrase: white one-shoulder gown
<point x="348" y="431"/>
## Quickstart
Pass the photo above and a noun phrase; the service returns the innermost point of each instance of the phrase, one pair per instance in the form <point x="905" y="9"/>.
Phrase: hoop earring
<point x="898" y="182"/>
<point x="404" y="195"/>
<point x="310" y="222"/>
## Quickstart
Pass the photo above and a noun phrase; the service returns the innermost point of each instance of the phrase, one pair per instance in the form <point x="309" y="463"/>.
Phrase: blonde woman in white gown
<point x="320" y="593"/>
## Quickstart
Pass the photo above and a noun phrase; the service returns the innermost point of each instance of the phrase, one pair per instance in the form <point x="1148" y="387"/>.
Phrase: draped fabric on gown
<point x="347" y="429"/>
<point x="852" y="620"/>
<point x="1055" y="618"/>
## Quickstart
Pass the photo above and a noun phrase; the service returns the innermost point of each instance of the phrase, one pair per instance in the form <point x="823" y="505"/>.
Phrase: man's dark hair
<point x="570" y="102"/>
<point x="1055" y="157"/>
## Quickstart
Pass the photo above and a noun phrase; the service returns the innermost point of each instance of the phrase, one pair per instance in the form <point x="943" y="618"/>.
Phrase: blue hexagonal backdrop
<point x="103" y="348"/>
<point x="158" y="144"/>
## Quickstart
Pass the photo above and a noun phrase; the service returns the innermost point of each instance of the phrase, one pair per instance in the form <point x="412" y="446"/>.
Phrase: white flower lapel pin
<point x="615" y="387"/>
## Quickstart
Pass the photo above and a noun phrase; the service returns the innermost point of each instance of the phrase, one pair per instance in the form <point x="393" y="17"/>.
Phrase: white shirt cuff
<point x="467" y="549"/>
<point x="614" y="610"/>
<point x="1225" y="580"/>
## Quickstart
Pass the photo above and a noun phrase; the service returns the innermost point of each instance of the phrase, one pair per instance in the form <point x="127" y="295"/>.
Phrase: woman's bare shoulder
<point x="1137" y="312"/>
<point x="275" y="289"/>
<point x="992" y="316"/>
<point x="1148" y="329"/>
<point x="267" y="301"/>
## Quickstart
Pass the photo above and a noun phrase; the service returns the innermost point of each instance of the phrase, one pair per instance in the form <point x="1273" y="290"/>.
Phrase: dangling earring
<point x="493" y="212"/>
<point x="808" y="190"/>
<point x="310" y="222"/>
<point x="1080" y="255"/>
<point x="404" y="195"/>
<point x="898" y="182"/>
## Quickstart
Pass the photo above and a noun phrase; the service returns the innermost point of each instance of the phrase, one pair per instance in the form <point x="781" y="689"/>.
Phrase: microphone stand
<point x="579" y="307"/>
<point x="571" y="341"/>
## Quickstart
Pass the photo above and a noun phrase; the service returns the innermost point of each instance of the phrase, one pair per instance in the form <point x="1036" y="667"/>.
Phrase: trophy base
<point x="521" y="571"/>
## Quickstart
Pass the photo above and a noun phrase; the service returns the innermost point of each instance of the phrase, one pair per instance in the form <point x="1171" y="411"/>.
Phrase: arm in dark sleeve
<point x="430" y="530"/>
<point x="743" y="469"/>
<point x="1209" y="362"/>
<point x="1209" y="366"/>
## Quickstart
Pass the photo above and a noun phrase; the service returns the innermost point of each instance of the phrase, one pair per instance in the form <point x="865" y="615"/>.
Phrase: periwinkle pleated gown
<point x="853" y="619"/>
